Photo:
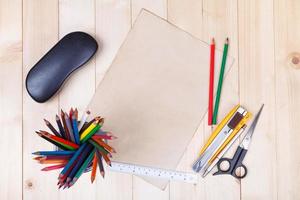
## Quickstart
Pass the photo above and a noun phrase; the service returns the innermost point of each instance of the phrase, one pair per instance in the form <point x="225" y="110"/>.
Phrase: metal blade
<point x="246" y="141"/>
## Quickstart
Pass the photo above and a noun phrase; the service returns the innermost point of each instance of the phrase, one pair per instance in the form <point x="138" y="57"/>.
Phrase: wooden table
<point x="264" y="40"/>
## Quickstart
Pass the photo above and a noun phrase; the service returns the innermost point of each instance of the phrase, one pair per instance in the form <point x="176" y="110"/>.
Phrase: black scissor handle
<point x="234" y="164"/>
<point x="221" y="164"/>
<point x="240" y="173"/>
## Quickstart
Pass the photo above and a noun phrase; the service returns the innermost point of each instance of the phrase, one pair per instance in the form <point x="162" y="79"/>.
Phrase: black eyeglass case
<point x="49" y="73"/>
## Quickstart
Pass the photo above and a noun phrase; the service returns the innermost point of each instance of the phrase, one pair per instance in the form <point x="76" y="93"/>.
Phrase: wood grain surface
<point x="264" y="40"/>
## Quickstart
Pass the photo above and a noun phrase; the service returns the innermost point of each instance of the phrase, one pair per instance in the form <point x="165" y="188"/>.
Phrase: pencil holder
<point x="82" y="147"/>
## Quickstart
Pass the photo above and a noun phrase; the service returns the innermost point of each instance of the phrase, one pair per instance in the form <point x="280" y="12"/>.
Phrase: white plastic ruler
<point x="154" y="172"/>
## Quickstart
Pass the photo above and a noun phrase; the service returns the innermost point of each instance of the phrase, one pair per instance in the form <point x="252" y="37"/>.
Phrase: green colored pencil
<point x="100" y="148"/>
<point x="90" y="134"/>
<point x="82" y="168"/>
<point x="220" y="83"/>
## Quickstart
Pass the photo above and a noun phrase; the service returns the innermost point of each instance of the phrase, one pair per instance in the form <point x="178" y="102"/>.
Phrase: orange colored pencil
<point x="106" y="146"/>
<point x="39" y="158"/>
<point x="58" y="161"/>
<point x="94" y="168"/>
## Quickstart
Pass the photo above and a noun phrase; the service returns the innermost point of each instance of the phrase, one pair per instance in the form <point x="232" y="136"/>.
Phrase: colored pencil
<point x="75" y="129"/>
<point x="211" y="82"/>
<point x="53" y="157"/>
<point x="60" y="127"/>
<point x="38" y="157"/>
<point x="53" y="161"/>
<point x="49" y="125"/>
<point x="104" y="145"/>
<point x="69" y="175"/>
<point x="82" y="168"/>
<point x="91" y="130"/>
<point x="53" y="167"/>
<point x="86" y="125"/>
<point x="94" y="168"/>
<point x="83" y="119"/>
<point x="46" y="153"/>
<point x="69" y="125"/>
<point x="84" y="155"/>
<point x="221" y="76"/>
<point x="104" y="137"/>
<point x="71" y="114"/>
<point x="100" y="164"/>
<point x="66" y="143"/>
<point x="67" y="133"/>
<point x="89" y="167"/>
<point x="59" y="145"/>
<point x="72" y="160"/>
<point x="105" y="157"/>
<point x="100" y="148"/>
<point x="102" y="151"/>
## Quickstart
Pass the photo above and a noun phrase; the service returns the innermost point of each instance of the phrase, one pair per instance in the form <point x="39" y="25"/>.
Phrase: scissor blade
<point x="246" y="141"/>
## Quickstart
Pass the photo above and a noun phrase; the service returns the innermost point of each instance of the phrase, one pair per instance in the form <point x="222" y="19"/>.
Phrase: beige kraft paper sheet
<point x="155" y="93"/>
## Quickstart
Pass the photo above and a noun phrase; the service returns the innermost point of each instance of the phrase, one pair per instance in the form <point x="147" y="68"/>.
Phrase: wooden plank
<point x="141" y="188"/>
<point x="210" y="19"/>
<point x="191" y="22"/>
<point x="220" y="21"/>
<point x="40" y="33"/>
<point x="113" y="21"/>
<point x="158" y="7"/>
<point x="80" y="87"/>
<point x="187" y="15"/>
<point x="11" y="99"/>
<point x="287" y="80"/>
<point x="257" y="76"/>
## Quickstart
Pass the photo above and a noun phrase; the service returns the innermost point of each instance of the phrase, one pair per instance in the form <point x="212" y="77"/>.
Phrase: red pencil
<point x="53" y="167"/>
<point x="211" y="82"/>
<point x="60" y="140"/>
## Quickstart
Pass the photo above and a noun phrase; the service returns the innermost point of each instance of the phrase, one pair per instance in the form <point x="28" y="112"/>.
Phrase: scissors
<point x="235" y="166"/>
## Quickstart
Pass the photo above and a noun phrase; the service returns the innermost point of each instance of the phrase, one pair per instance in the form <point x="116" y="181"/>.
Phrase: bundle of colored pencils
<point x="82" y="146"/>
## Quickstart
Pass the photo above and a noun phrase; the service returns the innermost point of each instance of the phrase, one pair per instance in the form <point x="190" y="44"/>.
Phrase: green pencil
<point x="82" y="168"/>
<point x="218" y="96"/>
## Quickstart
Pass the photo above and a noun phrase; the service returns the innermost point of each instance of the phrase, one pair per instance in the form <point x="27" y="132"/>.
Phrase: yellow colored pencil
<point x="89" y="129"/>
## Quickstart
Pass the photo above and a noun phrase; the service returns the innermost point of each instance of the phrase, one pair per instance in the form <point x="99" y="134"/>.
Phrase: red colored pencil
<point x="211" y="82"/>
<point x="104" y="137"/>
<point x="60" y="140"/>
<point x="53" y="167"/>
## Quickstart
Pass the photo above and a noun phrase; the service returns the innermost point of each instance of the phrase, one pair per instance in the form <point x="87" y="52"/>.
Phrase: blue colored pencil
<point x="72" y="160"/>
<point x="75" y="128"/>
<point x="78" y="164"/>
<point x="54" y="153"/>
<point x="63" y="180"/>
